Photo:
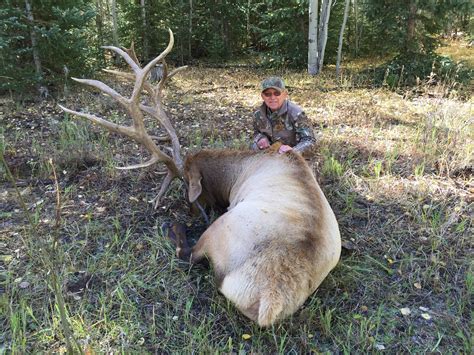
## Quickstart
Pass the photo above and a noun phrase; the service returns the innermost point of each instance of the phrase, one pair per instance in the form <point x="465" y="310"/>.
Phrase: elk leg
<point x="176" y="233"/>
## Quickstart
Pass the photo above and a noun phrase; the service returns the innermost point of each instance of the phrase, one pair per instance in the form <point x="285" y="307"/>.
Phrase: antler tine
<point x="165" y="184"/>
<point x="141" y="73"/>
<point x="148" y="163"/>
<point x="104" y="88"/>
<point x="134" y="65"/>
<point x="163" y="54"/>
<point x="131" y="52"/>
<point x="127" y="76"/>
<point x="113" y="127"/>
<point x="160" y="114"/>
<point x="136" y="114"/>
<point x="130" y="77"/>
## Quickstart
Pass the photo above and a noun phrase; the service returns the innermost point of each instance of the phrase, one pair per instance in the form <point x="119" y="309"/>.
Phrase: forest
<point x="85" y="266"/>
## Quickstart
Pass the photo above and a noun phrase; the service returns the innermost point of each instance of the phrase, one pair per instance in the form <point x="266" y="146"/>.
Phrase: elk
<point x="277" y="240"/>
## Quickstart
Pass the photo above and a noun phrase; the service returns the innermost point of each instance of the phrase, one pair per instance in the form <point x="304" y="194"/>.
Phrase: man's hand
<point x="263" y="143"/>
<point x="284" y="148"/>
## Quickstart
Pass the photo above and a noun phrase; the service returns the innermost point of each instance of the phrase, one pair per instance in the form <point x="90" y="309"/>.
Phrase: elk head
<point x="194" y="184"/>
<point x="136" y="109"/>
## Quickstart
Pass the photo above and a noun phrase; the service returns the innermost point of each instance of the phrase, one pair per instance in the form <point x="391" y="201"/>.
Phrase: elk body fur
<point x="278" y="239"/>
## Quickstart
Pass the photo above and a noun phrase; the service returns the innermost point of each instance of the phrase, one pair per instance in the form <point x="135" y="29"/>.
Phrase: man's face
<point x="274" y="99"/>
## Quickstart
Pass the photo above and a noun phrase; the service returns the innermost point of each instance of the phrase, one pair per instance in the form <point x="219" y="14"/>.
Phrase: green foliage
<point x="387" y="24"/>
<point x="332" y="167"/>
<point x="13" y="32"/>
<point x="409" y="69"/>
<point x="212" y="32"/>
<point x="282" y="33"/>
<point x="70" y="34"/>
<point x="69" y="38"/>
<point x="132" y="28"/>
<point x="63" y="34"/>
<point x="219" y="30"/>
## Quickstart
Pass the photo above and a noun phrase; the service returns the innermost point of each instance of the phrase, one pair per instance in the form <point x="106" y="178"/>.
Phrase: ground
<point x="396" y="166"/>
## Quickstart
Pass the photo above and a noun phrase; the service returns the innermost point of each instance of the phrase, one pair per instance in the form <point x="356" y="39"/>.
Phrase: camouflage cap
<point x="273" y="82"/>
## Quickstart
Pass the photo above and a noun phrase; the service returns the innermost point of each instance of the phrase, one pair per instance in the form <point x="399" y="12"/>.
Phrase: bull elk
<point x="278" y="238"/>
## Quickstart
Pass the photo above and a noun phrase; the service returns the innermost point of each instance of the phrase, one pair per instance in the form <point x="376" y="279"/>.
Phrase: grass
<point x="458" y="51"/>
<point x="396" y="169"/>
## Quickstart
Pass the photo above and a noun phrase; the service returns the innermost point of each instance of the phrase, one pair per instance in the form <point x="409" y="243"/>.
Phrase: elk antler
<point x="136" y="110"/>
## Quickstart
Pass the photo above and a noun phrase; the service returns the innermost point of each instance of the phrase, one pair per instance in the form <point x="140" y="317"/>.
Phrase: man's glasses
<point x="270" y="94"/>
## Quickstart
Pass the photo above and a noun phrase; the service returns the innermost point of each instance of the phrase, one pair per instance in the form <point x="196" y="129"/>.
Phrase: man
<point x="280" y="121"/>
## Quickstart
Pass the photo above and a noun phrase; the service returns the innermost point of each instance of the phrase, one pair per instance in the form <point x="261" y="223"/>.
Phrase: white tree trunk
<point x="34" y="42"/>
<point x="145" y="31"/>
<point x="313" y="38"/>
<point x="341" y="36"/>
<point x="323" y="32"/>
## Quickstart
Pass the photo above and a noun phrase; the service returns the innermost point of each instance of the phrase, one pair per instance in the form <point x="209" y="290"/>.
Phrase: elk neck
<point x="219" y="170"/>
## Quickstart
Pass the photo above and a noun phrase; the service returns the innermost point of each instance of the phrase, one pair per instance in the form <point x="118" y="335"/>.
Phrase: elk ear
<point x="195" y="187"/>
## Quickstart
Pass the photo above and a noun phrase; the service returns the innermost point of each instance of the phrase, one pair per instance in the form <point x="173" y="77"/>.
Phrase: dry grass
<point x="397" y="171"/>
<point x="459" y="50"/>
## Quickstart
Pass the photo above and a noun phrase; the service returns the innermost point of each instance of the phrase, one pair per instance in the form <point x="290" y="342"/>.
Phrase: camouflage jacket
<point x="289" y="125"/>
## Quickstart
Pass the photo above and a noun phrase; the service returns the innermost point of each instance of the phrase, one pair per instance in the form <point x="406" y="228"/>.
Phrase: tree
<point x="410" y="42"/>
<point x="190" y="37"/>
<point x="115" y="38"/>
<point x="281" y="33"/>
<point x="145" y="29"/>
<point x="409" y="26"/>
<point x="313" y="38"/>
<point x="323" y="32"/>
<point x="277" y="33"/>
<point x="317" y="35"/>
<point x="248" y="36"/>
<point x="28" y="37"/>
<point x="341" y="36"/>
<point x="356" y="28"/>
<point x="99" y="22"/>
<point x="34" y="48"/>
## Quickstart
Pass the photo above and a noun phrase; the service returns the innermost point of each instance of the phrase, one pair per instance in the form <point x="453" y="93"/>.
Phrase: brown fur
<point x="278" y="239"/>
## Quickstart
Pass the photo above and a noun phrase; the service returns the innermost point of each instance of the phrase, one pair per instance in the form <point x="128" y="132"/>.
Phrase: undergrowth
<point x="397" y="170"/>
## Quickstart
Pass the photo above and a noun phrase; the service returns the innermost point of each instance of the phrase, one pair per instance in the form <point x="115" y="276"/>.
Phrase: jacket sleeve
<point x="304" y="133"/>
<point x="257" y="135"/>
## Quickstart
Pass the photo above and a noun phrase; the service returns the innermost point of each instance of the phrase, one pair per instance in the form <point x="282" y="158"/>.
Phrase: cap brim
<point x="273" y="87"/>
